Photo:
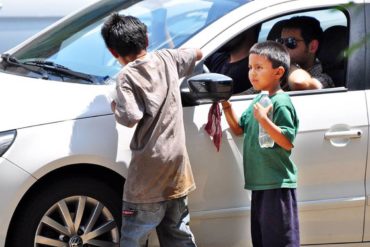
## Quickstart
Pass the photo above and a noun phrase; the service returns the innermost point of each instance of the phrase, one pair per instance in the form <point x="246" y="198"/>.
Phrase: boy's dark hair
<point x="124" y="34"/>
<point x="275" y="52"/>
<point x="309" y="26"/>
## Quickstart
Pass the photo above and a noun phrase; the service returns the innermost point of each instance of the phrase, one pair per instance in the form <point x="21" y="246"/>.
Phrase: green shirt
<point x="269" y="168"/>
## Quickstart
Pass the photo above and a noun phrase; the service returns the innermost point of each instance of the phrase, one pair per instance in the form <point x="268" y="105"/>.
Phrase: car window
<point x="327" y="18"/>
<point x="77" y="44"/>
<point x="334" y="41"/>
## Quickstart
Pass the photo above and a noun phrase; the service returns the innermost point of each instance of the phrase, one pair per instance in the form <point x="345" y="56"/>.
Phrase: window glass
<point x="332" y="46"/>
<point x="329" y="69"/>
<point x="77" y="43"/>
<point x="327" y="18"/>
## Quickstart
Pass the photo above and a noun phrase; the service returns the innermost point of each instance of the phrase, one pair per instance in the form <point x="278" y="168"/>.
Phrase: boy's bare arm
<point x="199" y="54"/>
<point x="231" y="118"/>
<point x="260" y="113"/>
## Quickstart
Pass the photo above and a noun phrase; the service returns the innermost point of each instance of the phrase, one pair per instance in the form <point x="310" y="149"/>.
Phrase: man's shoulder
<point x="218" y="57"/>
<point x="316" y="69"/>
<point x="317" y="72"/>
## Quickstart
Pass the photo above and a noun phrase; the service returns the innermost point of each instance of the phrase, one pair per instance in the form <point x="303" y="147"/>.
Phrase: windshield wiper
<point x="15" y="62"/>
<point x="60" y="69"/>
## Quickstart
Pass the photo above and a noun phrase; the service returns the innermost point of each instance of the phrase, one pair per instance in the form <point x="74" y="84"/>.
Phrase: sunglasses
<point x="289" y="42"/>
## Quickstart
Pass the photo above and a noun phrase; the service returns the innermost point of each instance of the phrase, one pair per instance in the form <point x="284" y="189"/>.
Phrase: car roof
<point x="40" y="8"/>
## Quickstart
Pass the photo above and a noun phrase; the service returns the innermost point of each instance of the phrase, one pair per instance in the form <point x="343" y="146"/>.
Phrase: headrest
<point x="333" y="45"/>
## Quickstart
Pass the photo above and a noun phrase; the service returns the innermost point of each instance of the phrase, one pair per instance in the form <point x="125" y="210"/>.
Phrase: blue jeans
<point x="169" y="218"/>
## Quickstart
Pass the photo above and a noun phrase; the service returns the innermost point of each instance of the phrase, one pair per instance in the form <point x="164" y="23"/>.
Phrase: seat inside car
<point x="331" y="54"/>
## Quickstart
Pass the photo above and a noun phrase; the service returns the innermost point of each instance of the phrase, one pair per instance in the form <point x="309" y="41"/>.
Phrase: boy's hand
<point x="260" y="112"/>
<point x="225" y="104"/>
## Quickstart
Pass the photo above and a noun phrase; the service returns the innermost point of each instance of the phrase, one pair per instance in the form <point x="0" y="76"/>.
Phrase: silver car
<point x="21" y="19"/>
<point x="63" y="158"/>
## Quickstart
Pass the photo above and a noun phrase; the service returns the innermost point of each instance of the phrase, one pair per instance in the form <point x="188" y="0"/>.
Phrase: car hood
<point x="26" y="102"/>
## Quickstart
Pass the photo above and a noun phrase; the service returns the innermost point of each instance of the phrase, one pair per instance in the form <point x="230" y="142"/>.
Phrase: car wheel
<point x="72" y="212"/>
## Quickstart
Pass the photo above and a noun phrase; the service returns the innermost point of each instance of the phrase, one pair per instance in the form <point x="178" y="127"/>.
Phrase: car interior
<point x="332" y="50"/>
<point x="332" y="46"/>
<point x="332" y="53"/>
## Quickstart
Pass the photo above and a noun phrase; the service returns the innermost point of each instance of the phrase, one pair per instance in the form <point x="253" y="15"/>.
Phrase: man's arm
<point x="300" y="79"/>
<point x="231" y="118"/>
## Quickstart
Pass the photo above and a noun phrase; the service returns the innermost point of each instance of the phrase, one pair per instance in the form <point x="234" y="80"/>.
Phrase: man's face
<point x="298" y="50"/>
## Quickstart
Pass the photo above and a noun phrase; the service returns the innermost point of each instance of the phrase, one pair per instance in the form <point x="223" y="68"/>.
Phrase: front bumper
<point x="14" y="182"/>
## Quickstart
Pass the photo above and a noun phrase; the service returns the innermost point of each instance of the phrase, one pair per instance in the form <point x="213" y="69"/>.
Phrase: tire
<point x="69" y="212"/>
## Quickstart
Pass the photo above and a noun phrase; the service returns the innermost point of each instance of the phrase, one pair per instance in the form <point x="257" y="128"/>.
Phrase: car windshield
<point x="76" y="43"/>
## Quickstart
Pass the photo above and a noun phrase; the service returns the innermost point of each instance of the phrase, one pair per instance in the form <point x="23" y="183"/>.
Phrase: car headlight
<point x="6" y="140"/>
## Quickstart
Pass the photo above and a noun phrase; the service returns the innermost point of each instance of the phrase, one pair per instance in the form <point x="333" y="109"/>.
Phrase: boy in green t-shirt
<point x="269" y="172"/>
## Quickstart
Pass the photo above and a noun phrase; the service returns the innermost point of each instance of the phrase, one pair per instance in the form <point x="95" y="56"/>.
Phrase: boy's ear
<point x="114" y="53"/>
<point x="280" y="72"/>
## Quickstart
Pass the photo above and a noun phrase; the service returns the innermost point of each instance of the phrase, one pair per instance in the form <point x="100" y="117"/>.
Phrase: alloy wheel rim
<point x="77" y="221"/>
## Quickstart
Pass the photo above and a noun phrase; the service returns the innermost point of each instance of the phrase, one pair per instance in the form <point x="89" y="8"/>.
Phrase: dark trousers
<point x="274" y="218"/>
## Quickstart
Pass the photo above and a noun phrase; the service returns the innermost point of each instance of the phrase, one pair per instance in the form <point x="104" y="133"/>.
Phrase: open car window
<point x="333" y="45"/>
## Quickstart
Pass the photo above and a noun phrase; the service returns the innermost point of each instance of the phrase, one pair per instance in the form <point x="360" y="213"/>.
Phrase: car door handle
<point x="343" y="134"/>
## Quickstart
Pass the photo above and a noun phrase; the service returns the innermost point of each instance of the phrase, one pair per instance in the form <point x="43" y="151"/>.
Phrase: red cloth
<point x="213" y="126"/>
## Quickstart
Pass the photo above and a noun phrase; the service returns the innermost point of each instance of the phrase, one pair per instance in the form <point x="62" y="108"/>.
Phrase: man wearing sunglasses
<point x="301" y="35"/>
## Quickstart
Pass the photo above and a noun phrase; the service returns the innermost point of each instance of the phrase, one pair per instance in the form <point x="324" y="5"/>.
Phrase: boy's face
<point x="262" y="75"/>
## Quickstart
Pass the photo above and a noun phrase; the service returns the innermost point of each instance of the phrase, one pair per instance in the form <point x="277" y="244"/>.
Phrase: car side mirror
<point x="210" y="87"/>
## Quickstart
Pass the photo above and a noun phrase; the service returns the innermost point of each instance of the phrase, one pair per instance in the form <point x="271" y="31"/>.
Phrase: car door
<point x="330" y="151"/>
<point x="367" y="216"/>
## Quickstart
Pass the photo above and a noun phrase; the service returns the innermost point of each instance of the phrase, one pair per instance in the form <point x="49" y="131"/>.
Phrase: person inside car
<point x="232" y="60"/>
<point x="302" y="35"/>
